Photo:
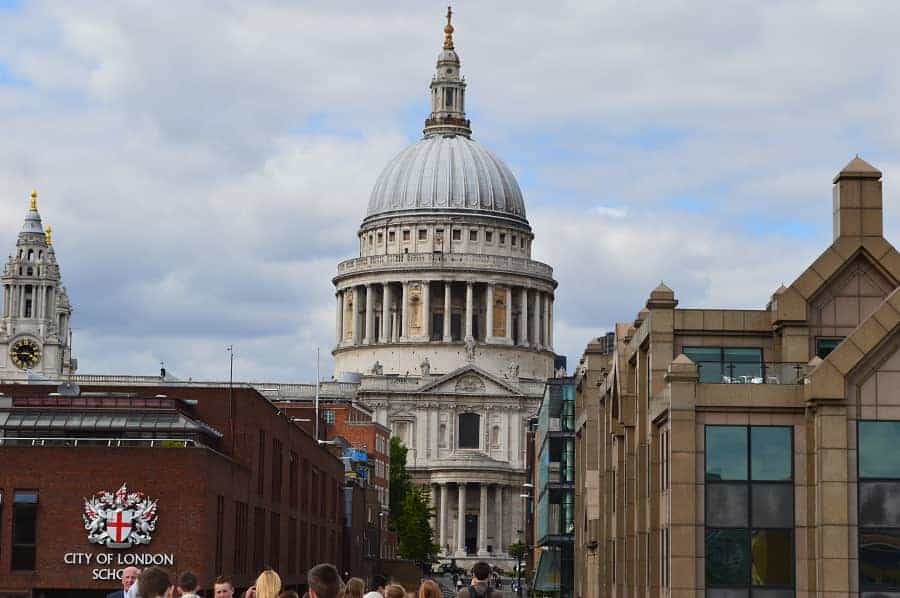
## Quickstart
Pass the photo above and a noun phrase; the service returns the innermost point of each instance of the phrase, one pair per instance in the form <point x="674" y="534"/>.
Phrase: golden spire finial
<point x="448" y="31"/>
<point x="34" y="200"/>
<point x="48" y="232"/>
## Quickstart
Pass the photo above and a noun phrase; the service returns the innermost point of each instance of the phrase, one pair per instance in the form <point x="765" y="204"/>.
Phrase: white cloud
<point x="206" y="167"/>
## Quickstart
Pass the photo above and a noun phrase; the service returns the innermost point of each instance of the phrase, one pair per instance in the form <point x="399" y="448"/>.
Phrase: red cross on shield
<point x="118" y="523"/>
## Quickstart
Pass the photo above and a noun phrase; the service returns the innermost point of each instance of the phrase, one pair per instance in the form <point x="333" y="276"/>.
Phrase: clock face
<point x="25" y="353"/>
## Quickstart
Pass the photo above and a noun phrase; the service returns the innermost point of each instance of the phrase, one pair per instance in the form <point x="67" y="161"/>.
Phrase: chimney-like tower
<point x="857" y="201"/>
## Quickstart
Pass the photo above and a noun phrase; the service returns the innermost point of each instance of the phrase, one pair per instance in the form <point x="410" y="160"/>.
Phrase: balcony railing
<point x="101" y="442"/>
<point x="506" y="263"/>
<point x="744" y="372"/>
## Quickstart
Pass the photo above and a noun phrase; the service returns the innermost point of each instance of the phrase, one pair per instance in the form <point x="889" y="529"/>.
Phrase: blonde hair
<point x="394" y="590"/>
<point x="268" y="584"/>
<point x="355" y="588"/>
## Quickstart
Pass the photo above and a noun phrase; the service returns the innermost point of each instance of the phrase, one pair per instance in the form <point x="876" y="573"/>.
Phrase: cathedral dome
<point x="447" y="172"/>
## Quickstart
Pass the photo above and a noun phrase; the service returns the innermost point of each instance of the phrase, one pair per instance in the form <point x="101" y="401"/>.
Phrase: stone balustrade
<point x="453" y="261"/>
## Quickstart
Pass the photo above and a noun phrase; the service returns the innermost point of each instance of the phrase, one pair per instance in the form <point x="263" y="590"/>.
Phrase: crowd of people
<point x="323" y="581"/>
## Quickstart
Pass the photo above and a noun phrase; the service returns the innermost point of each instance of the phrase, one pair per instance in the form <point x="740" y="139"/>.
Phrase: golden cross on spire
<point x="48" y="232"/>
<point x="448" y="31"/>
<point x="34" y="200"/>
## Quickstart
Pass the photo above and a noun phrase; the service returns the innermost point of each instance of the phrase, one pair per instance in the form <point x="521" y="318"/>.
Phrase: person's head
<point x="395" y="590"/>
<point x="154" y="582"/>
<point x="324" y="581"/>
<point x="223" y="587"/>
<point x="129" y="576"/>
<point x="288" y="594"/>
<point x="187" y="583"/>
<point x="429" y="589"/>
<point x="355" y="588"/>
<point x="481" y="571"/>
<point x="268" y="584"/>
<point x="379" y="582"/>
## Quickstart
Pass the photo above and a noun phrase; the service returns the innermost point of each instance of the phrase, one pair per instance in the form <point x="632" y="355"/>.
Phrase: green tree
<point x="517" y="550"/>
<point x="411" y="512"/>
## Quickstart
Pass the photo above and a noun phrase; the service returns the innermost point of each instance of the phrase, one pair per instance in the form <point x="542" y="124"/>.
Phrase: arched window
<point x="31" y="255"/>
<point x="469" y="425"/>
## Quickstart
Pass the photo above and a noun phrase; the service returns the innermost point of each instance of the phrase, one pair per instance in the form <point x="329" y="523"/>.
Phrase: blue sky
<point x="205" y="168"/>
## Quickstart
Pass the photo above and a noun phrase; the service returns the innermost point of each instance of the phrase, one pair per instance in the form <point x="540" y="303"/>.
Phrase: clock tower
<point x="34" y="329"/>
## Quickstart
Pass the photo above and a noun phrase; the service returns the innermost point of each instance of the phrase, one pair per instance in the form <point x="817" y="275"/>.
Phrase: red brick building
<point x="237" y="485"/>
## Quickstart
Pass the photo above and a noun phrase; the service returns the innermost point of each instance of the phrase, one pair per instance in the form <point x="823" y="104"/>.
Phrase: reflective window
<point x="749" y="511"/>
<point x="727" y="364"/>
<point x="726" y="453"/>
<point x="772" y="452"/>
<point x="727" y="557"/>
<point x="24" y="530"/>
<point x="879" y="504"/>
<point x="773" y="557"/>
<point x="824" y="346"/>
<point x="878" y="454"/>
<point x="879" y="559"/>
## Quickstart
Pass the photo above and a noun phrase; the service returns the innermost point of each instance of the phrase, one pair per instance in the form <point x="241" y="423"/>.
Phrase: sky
<point x="205" y="165"/>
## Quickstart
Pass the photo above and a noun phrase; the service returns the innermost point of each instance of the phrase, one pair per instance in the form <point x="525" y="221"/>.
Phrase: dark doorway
<point x="456" y="326"/>
<point x="515" y="330"/>
<point x="471" y="534"/>
<point x="476" y="331"/>
<point x="377" y="331"/>
<point x="437" y="327"/>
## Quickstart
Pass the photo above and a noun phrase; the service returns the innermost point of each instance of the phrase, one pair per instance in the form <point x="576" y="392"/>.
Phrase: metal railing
<point x="101" y="442"/>
<point x="445" y="260"/>
<point x="744" y="372"/>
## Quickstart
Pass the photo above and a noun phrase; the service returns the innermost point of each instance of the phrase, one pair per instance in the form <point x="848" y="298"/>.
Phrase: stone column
<point x="470" y="295"/>
<point x="536" y="321"/>
<point x="482" y="521"/>
<point x="489" y="320"/>
<point x="509" y="320"/>
<point x="434" y="505"/>
<point x="545" y="319"/>
<point x="356" y="299"/>
<point x="22" y="301"/>
<point x="5" y="300"/>
<point x="448" y="286"/>
<point x="461" y="520"/>
<point x="426" y="309"/>
<point x="386" y="312"/>
<point x="442" y="533"/>
<point x="523" y="318"/>
<point x="404" y="327"/>
<point x="498" y="516"/>
<point x="371" y="335"/>
<point x="550" y="323"/>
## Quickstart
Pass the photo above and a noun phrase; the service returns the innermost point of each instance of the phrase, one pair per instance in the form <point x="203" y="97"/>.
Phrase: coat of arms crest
<point x="120" y="520"/>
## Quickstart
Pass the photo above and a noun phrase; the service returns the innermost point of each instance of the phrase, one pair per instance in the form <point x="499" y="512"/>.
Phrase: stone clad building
<point x="447" y="322"/>
<point x="734" y="453"/>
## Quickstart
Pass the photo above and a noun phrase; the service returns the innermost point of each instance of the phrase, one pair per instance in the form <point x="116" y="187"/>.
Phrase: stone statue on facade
<point x="377" y="368"/>
<point x="425" y="367"/>
<point x="512" y="371"/>
<point x="470" y="349"/>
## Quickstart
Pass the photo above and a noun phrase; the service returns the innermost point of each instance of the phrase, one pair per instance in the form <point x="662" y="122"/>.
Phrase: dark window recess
<point x="473" y="235"/>
<point x="502" y="238"/>
<point x="489" y="236"/>
<point x="457" y="234"/>
<point x="261" y="464"/>
<point x="469" y="424"/>
<point x="726" y="364"/>
<point x="292" y="479"/>
<point x="24" y="530"/>
<point x="292" y="546"/>
<point x="220" y="530"/>
<point x="437" y="327"/>
<point x="240" y="537"/>
<point x="878" y="507"/>
<point x="406" y="235"/>
<point x="824" y="346"/>
<point x="259" y="539"/>
<point x="749" y="510"/>
<point x="423" y="234"/>
<point x="391" y="236"/>
<point x="305" y="485"/>
<point x="275" y="541"/>
<point x="276" y="470"/>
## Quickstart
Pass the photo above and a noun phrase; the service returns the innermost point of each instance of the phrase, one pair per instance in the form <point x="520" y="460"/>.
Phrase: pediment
<point x="472" y="380"/>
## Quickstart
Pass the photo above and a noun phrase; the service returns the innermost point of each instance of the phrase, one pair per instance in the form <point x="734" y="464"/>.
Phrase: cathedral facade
<point x="446" y="322"/>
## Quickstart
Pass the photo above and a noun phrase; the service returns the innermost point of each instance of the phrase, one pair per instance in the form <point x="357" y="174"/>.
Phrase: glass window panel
<point x="772" y="456"/>
<point x="878" y="454"/>
<point x="773" y="505"/>
<point x="708" y="360"/>
<point x="726" y="453"/>
<point x="727" y="593"/>
<point x="726" y="505"/>
<point x="879" y="504"/>
<point x="24" y="524"/>
<point x="880" y="595"/>
<point x="727" y="557"/>
<point x="743" y="354"/>
<point x="773" y="557"/>
<point x="25" y="496"/>
<point x="769" y="593"/>
<point x="824" y="346"/>
<point x="711" y="372"/>
<point x="879" y="560"/>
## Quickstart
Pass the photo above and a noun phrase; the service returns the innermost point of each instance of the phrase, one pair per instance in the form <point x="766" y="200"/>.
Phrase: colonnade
<point x="501" y="523"/>
<point x="29" y="301"/>
<point x="403" y="311"/>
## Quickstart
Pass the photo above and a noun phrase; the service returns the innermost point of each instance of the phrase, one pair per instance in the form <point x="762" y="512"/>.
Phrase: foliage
<point x="410" y="510"/>
<point x="517" y="550"/>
